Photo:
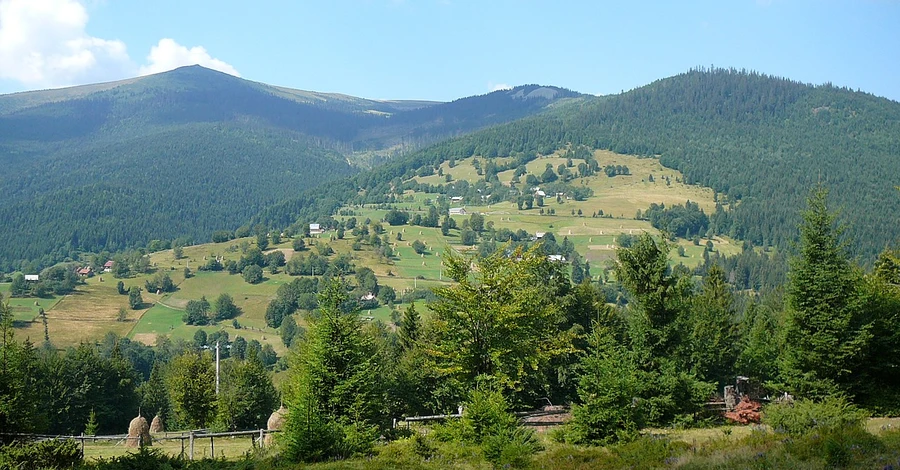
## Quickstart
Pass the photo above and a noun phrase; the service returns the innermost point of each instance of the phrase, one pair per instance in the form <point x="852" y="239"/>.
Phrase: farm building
<point x="32" y="278"/>
<point x="315" y="229"/>
<point x="458" y="211"/>
<point x="456" y="199"/>
<point x="556" y="258"/>
<point x="107" y="267"/>
<point x="86" y="271"/>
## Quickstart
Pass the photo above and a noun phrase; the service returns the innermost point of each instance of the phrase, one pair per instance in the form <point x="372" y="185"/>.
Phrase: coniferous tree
<point x="333" y="391"/>
<point x="824" y="335"/>
<point x="714" y="336"/>
<point x="410" y="326"/>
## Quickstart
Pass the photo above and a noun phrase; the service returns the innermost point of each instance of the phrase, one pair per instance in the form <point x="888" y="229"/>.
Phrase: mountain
<point x="186" y="152"/>
<point x="761" y="142"/>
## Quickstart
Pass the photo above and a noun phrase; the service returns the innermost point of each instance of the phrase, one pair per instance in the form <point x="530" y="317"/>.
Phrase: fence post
<point x="262" y="439"/>
<point x="212" y="448"/>
<point x="191" y="451"/>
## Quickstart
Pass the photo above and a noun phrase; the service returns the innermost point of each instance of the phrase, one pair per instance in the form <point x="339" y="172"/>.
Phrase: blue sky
<point x="446" y="49"/>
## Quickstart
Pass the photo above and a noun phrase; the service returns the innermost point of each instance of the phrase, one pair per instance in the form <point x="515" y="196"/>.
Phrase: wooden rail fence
<point x="257" y="438"/>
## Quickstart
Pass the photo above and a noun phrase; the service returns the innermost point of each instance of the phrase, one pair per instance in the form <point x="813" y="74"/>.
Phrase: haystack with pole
<point x="138" y="433"/>
<point x="157" y="425"/>
<point x="275" y="423"/>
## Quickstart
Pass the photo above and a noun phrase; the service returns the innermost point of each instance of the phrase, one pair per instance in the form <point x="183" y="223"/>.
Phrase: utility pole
<point x="217" y="367"/>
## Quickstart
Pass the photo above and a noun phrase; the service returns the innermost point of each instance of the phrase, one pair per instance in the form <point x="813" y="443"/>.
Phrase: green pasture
<point x="28" y="309"/>
<point x="159" y="320"/>
<point x="251" y="298"/>
<point x="92" y="310"/>
<point x="167" y="321"/>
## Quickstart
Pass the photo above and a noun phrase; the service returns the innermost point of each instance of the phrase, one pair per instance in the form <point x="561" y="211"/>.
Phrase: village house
<point x="315" y="229"/>
<point x="32" y="278"/>
<point x="458" y="211"/>
<point x="107" y="267"/>
<point x="86" y="271"/>
<point x="456" y="199"/>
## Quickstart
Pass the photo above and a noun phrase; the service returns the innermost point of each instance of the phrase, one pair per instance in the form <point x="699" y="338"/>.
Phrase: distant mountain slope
<point x="761" y="142"/>
<point x="184" y="181"/>
<point x="192" y="94"/>
<point x="185" y="152"/>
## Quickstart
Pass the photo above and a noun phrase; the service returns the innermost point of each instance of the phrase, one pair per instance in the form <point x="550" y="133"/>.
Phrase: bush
<point x="513" y="447"/>
<point x="45" y="454"/>
<point x="487" y="422"/>
<point x="422" y="446"/>
<point x="804" y="416"/>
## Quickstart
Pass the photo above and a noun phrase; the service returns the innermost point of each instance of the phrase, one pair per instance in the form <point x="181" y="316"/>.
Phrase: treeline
<point x="99" y="388"/>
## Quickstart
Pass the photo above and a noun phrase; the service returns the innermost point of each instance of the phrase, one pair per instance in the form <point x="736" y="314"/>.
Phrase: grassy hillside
<point x="92" y="311"/>
<point x="762" y="143"/>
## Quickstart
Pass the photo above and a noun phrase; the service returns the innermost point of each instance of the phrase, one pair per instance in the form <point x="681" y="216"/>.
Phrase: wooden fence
<point x="257" y="438"/>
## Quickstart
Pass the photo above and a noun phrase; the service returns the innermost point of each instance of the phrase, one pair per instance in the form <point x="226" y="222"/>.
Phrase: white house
<point x="32" y="277"/>
<point x="458" y="211"/>
<point x="456" y="199"/>
<point x="556" y="258"/>
<point x="539" y="235"/>
<point x="315" y="229"/>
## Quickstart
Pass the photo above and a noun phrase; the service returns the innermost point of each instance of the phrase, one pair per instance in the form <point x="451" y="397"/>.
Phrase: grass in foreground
<point x="713" y="448"/>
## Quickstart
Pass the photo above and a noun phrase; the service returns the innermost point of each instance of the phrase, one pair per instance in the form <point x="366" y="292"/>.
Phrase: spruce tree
<point x="713" y="335"/>
<point x="824" y="338"/>
<point x="409" y="327"/>
<point x="332" y="394"/>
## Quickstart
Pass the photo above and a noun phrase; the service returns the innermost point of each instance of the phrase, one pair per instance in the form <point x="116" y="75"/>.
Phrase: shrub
<point x="512" y="447"/>
<point x="837" y="447"/>
<point x="803" y="416"/>
<point x="422" y="446"/>
<point x="45" y="454"/>
<point x="486" y="421"/>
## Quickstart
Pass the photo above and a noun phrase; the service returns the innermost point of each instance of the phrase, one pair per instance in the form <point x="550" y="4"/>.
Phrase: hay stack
<point x="138" y="433"/>
<point x="275" y="423"/>
<point x="157" y="425"/>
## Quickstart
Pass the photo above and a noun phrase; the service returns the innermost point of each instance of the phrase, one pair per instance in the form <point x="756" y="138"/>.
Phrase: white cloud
<point x="499" y="86"/>
<point x="44" y="44"/>
<point x="168" y="55"/>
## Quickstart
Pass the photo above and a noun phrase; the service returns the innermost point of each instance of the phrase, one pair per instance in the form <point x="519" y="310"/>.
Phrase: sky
<point x="448" y="49"/>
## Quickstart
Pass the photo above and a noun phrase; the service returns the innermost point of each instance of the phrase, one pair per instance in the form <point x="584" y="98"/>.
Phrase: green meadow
<point x="92" y="310"/>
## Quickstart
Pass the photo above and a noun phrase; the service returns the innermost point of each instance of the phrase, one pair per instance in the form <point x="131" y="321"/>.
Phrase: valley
<point x="91" y="311"/>
<point x="636" y="263"/>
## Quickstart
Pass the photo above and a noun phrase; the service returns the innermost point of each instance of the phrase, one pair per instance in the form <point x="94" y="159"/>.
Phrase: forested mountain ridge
<point x="183" y="153"/>
<point x="761" y="142"/>
<point x="197" y="94"/>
